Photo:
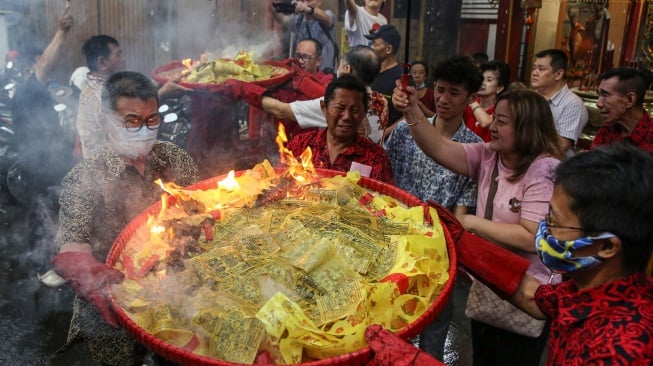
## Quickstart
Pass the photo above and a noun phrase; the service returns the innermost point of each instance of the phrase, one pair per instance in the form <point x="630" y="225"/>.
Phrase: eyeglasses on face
<point x="134" y="123"/>
<point x="550" y="224"/>
<point x="303" y="56"/>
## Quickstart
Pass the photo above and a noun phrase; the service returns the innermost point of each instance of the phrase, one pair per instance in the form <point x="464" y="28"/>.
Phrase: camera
<point x="286" y="7"/>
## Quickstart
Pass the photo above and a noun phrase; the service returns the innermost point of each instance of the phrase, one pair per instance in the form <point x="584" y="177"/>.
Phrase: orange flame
<point x="153" y="226"/>
<point x="229" y="183"/>
<point x="301" y="170"/>
<point x="188" y="63"/>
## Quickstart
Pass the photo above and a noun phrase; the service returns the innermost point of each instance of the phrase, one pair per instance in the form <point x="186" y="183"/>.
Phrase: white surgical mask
<point x="133" y="145"/>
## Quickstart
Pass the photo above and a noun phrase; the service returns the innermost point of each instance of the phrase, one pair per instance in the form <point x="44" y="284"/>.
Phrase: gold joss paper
<point x="298" y="277"/>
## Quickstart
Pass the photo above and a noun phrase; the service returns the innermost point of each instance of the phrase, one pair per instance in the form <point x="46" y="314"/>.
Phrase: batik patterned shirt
<point x="607" y="325"/>
<point x="362" y="151"/>
<point x="99" y="197"/>
<point x="642" y="135"/>
<point x="422" y="176"/>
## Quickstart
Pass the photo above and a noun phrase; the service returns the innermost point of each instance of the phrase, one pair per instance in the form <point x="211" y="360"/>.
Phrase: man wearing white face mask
<point x="100" y="196"/>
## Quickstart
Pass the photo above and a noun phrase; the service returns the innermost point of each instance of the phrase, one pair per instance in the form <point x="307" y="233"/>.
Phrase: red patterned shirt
<point x="607" y="325"/>
<point x="642" y="135"/>
<point x="362" y="151"/>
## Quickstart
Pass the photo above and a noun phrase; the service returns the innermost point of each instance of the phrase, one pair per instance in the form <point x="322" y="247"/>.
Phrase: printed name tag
<point x="365" y="170"/>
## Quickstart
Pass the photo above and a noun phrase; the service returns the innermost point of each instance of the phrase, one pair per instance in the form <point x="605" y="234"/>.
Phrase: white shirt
<point x="569" y="113"/>
<point x="361" y="26"/>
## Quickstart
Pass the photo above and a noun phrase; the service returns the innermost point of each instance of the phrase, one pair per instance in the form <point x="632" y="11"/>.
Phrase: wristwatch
<point x="311" y="10"/>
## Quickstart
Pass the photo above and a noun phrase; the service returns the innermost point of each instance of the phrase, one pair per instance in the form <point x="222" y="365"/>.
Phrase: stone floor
<point x="34" y="318"/>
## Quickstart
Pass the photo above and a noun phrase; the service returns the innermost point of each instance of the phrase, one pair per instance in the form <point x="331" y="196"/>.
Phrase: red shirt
<point x="363" y="151"/>
<point x="428" y="99"/>
<point x="611" y="324"/>
<point x="323" y="78"/>
<point x="470" y="122"/>
<point x="642" y="135"/>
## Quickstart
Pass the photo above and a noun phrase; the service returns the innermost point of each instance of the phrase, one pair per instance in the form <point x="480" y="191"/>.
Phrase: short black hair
<point x="127" y="84"/>
<point x="423" y="63"/>
<point x="481" y="57"/>
<point x="318" y="45"/>
<point x="559" y="60"/>
<point x="611" y="190"/>
<point x="348" y="82"/>
<point x="364" y="63"/>
<point x="630" y="80"/>
<point x="95" y="47"/>
<point x="460" y="70"/>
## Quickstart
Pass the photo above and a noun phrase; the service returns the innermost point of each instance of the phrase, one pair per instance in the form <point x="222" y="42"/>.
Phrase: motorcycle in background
<point x="176" y="113"/>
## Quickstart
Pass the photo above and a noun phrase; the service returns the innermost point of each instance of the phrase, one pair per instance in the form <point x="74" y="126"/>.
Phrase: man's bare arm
<point x="278" y="109"/>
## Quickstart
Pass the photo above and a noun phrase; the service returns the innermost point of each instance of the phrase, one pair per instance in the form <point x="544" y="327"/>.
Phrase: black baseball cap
<point x="388" y="33"/>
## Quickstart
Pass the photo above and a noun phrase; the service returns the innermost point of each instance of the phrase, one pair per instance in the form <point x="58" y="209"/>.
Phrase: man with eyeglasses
<point x="100" y="196"/>
<point x="309" y="20"/>
<point x="309" y="57"/>
<point x="598" y="233"/>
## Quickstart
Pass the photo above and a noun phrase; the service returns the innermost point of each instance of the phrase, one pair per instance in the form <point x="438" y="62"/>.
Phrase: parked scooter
<point x="176" y="113"/>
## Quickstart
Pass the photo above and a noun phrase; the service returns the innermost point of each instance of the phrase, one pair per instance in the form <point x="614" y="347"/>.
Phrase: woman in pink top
<point x="524" y="150"/>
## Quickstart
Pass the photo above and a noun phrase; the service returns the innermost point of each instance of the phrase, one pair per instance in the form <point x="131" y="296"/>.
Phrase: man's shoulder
<point x="567" y="96"/>
<point x="465" y="135"/>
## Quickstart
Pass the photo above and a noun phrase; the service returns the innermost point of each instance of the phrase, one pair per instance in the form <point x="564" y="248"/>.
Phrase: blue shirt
<point x="422" y="176"/>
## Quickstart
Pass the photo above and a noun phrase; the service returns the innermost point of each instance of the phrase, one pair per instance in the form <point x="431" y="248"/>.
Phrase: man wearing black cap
<point x="385" y="43"/>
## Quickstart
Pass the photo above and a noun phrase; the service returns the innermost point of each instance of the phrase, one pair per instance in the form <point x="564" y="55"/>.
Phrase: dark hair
<point x="318" y="45"/>
<point x="535" y="130"/>
<point x="460" y="70"/>
<point x="502" y="69"/>
<point x="364" y="63"/>
<point x="420" y="62"/>
<point x="127" y="84"/>
<point x="480" y="57"/>
<point x="348" y="82"/>
<point x="630" y="80"/>
<point x="95" y="47"/>
<point x="611" y="190"/>
<point x="558" y="57"/>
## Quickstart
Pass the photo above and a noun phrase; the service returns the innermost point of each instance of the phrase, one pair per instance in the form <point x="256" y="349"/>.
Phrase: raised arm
<point x="430" y="139"/>
<point x="482" y="116"/>
<point x="352" y="8"/>
<point x="282" y="19"/>
<point x="318" y="14"/>
<point x="50" y="55"/>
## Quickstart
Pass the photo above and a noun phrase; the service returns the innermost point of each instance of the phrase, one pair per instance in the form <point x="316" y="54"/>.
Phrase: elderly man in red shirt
<point x="621" y="104"/>
<point x="339" y="146"/>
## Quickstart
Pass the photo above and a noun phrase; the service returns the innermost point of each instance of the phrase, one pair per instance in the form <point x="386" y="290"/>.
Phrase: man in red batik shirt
<point x="339" y="146"/>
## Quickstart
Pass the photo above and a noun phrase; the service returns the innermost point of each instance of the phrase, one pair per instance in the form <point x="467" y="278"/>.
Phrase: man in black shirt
<point x="44" y="151"/>
<point x="385" y="43"/>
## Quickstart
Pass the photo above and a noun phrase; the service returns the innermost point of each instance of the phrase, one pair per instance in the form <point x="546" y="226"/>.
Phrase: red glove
<point x="390" y="350"/>
<point x="251" y="93"/>
<point x="497" y="267"/>
<point x="89" y="278"/>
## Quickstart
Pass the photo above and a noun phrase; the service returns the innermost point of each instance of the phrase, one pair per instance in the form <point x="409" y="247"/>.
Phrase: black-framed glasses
<point x="550" y="224"/>
<point x="303" y="56"/>
<point x="134" y="123"/>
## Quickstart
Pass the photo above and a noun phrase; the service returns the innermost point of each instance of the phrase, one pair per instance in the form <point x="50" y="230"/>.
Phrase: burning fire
<point x="301" y="170"/>
<point x="190" y="64"/>
<point x="229" y="183"/>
